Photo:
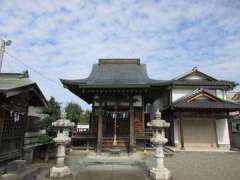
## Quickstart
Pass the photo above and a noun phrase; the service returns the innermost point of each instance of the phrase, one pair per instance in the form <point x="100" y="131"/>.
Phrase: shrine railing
<point x="147" y="133"/>
<point x="82" y="133"/>
<point x="9" y="155"/>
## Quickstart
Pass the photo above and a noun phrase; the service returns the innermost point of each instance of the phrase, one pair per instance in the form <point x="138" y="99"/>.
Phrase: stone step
<point x="122" y="144"/>
<point x="115" y="149"/>
<point x="111" y="143"/>
<point x="168" y="151"/>
<point x="116" y="146"/>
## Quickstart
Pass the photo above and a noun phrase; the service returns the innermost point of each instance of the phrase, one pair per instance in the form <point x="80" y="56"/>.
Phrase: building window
<point x="238" y="126"/>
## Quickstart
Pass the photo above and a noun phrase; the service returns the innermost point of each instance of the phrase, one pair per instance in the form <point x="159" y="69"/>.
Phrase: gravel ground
<point x="183" y="165"/>
<point x="205" y="166"/>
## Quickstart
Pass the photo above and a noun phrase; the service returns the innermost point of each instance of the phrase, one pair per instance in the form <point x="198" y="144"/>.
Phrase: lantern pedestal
<point x="160" y="174"/>
<point x="59" y="172"/>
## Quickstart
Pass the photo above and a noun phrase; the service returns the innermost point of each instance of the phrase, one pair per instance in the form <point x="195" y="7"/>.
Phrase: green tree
<point x="53" y="112"/>
<point x="85" y="116"/>
<point x="73" y="111"/>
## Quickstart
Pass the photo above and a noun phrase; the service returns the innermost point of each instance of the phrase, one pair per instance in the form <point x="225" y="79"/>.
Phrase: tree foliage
<point x="53" y="112"/>
<point x="74" y="112"/>
<point x="85" y="116"/>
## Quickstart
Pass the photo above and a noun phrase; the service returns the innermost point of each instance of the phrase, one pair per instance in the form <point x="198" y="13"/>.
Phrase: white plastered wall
<point x="223" y="133"/>
<point x="178" y="93"/>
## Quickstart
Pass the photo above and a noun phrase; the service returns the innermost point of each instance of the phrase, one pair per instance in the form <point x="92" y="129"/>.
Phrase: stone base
<point x="59" y="172"/>
<point x="224" y="146"/>
<point x="160" y="174"/>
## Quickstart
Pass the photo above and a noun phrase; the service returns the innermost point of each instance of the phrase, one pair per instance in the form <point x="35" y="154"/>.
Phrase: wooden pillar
<point x="131" y="130"/>
<point x="91" y="119"/>
<point x="24" y="130"/>
<point x="215" y="130"/>
<point x="143" y="120"/>
<point x="181" y="131"/>
<point x="2" y="118"/>
<point x="100" y="135"/>
<point x="172" y="143"/>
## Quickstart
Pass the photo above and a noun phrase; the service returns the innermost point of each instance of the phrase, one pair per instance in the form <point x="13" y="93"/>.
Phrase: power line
<point x="29" y="67"/>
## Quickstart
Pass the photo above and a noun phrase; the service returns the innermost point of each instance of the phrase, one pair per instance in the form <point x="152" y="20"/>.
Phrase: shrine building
<point x="124" y="99"/>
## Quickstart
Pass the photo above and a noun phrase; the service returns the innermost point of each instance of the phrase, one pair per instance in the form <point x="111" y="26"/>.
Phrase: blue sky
<point x="62" y="39"/>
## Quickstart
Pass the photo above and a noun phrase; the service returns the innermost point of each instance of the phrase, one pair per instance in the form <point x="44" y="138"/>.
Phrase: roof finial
<point x="63" y="115"/>
<point x="158" y="114"/>
<point x="26" y="74"/>
<point x="194" y="68"/>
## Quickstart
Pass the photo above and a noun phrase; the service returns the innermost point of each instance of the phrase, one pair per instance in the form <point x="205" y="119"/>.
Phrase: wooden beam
<point x="171" y="120"/>
<point x="131" y="129"/>
<point x="200" y="95"/>
<point x="143" y="118"/>
<point x="2" y="117"/>
<point x="215" y="130"/>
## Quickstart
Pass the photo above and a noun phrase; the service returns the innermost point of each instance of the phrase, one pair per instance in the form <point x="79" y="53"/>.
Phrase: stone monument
<point x="158" y="125"/>
<point x="63" y="126"/>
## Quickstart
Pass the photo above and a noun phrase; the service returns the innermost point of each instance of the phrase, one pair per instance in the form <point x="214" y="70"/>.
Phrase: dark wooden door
<point x="108" y="126"/>
<point x="122" y="127"/>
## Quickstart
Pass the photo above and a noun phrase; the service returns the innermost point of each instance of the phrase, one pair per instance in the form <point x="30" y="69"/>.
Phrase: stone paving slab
<point x="111" y="172"/>
<point x="183" y="165"/>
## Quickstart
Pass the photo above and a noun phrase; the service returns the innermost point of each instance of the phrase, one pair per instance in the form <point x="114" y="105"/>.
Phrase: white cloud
<point x="62" y="39"/>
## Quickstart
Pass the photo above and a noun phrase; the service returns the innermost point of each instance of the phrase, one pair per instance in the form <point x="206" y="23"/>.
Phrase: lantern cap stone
<point x="158" y="122"/>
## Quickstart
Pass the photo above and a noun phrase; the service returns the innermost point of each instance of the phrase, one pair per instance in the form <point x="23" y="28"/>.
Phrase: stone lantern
<point x="158" y="125"/>
<point x="63" y="127"/>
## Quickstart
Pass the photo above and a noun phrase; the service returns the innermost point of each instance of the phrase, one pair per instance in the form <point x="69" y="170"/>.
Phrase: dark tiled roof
<point x="220" y="104"/>
<point x="121" y="73"/>
<point x="236" y="97"/>
<point x="208" y="105"/>
<point x="195" y="71"/>
<point x="116" y="73"/>
<point x="10" y="81"/>
<point x="203" y="83"/>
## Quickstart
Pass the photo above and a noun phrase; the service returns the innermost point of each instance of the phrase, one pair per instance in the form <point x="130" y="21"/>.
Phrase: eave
<point x="31" y="87"/>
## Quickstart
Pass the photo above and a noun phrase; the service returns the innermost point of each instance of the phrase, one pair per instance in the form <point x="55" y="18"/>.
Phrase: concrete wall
<point x="223" y="133"/>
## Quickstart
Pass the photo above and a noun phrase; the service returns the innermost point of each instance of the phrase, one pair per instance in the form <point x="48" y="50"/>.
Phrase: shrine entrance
<point x="116" y="123"/>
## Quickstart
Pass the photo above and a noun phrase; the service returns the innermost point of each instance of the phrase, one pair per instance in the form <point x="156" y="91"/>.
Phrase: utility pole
<point x="3" y="44"/>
